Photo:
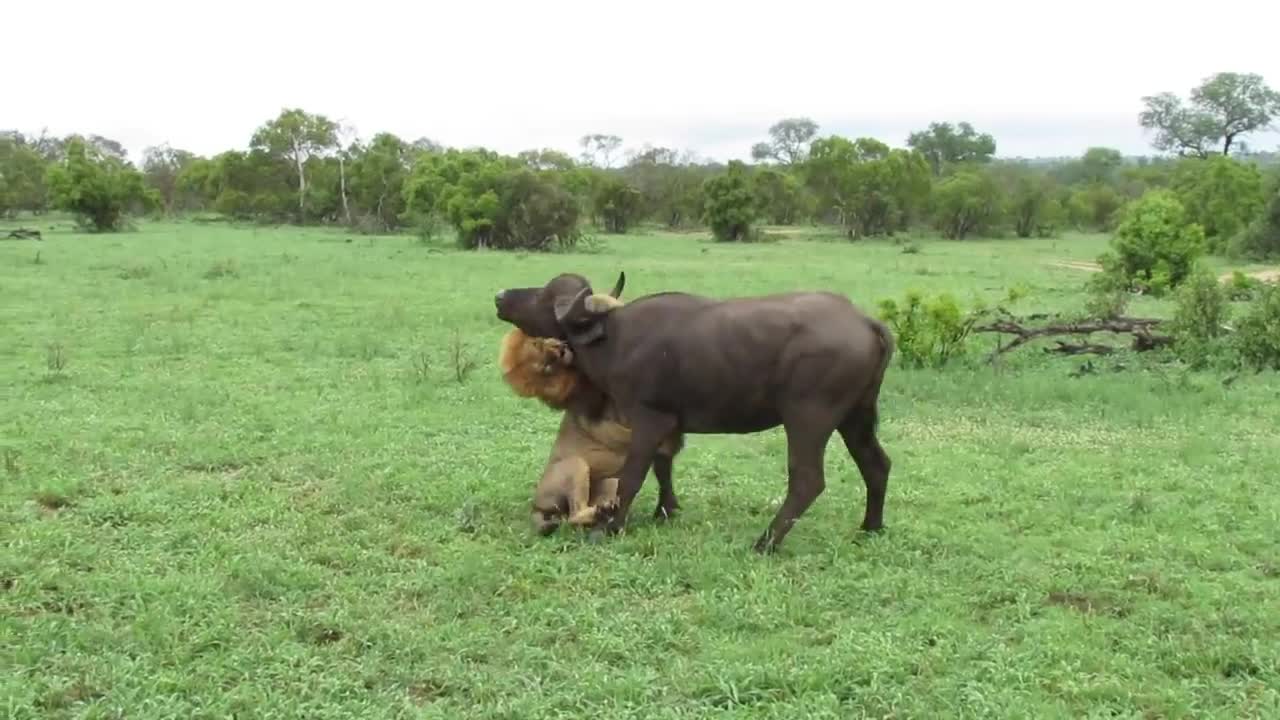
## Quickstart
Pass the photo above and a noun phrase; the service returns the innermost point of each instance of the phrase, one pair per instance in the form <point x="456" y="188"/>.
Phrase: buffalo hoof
<point x="662" y="514"/>
<point x="765" y="545"/>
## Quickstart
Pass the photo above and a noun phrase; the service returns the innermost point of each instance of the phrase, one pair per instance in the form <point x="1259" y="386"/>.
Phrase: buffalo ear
<point x="579" y="319"/>
<point x="616" y="292"/>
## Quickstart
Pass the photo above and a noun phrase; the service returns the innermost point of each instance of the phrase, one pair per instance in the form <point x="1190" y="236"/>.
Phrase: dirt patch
<point x="1077" y="265"/>
<point x="1267" y="276"/>
<point x="1088" y="603"/>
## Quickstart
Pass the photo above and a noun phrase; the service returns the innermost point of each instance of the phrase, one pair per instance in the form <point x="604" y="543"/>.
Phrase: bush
<point x="966" y="203"/>
<point x="779" y="195"/>
<point x="1199" y="318"/>
<point x="534" y="213"/>
<point x="730" y="206"/>
<point x="1033" y="206"/>
<point x="1261" y="239"/>
<point x="98" y="189"/>
<point x="1221" y="194"/>
<point x="1108" y="297"/>
<point x="1242" y="287"/>
<point x="1257" y="337"/>
<point x="927" y="333"/>
<point x="1094" y="207"/>
<point x="1154" y="246"/>
<point x="618" y="204"/>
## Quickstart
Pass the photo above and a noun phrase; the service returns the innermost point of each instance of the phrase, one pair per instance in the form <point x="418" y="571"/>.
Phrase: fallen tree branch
<point x="1065" y="348"/>
<point x="1139" y="328"/>
<point x="24" y="234"/>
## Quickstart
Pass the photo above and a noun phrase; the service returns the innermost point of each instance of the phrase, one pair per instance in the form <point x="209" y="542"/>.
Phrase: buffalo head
<point x="555" y="310"/>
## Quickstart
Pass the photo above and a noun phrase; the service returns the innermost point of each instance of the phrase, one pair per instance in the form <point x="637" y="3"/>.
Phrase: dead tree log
<point x="1139" y="328"/>
<point x="1066" y="348"/>
<point x="25" y="234"/>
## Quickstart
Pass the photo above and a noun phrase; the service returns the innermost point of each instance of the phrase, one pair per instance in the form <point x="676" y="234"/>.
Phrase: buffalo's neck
<point x="592" y="362"/>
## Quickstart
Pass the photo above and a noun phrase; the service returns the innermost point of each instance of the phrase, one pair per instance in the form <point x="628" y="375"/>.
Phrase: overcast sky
<point x="1044" y="78"/>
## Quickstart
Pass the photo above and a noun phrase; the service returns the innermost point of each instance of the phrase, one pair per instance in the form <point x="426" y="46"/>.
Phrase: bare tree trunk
<point x="302" y="182"/>
<point x="342" y="183"/>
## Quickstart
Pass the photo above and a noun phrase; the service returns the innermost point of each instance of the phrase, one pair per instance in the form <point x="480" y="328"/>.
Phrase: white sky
<point x="1044" y="78"/>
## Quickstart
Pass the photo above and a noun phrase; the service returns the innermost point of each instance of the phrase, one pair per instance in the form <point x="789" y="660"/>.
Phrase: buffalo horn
<point x="617" y="287"/>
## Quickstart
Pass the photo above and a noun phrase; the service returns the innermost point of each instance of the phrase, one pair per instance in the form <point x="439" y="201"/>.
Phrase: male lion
<point x="579" y="481"/>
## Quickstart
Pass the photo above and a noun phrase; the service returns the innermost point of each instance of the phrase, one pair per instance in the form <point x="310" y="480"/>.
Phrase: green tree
<point x="871" y="189"/>
<point x="378" y="173"/>
<point x="966" y="203"/>
<point x="788" y="143"/>
<point x="546" y="159"/>
<point x="731" y="203"/>
<point x="1257" y="336"/>
<point x="161" y="167"/>
<point x="1098" y="165"/>
<point x="492" y="201"/>
<point x="22" y="174"/>
<point x="618" y="204"/>
<point x="670" y="183"/>
<point x="535" y="211"/>
<point x="1094" y="206"/>
<point x="598" y="149"/>
<point x="1032" y="202"/>
<point x="1261" y="239"/>
<point x="98" y="188"/>
<point x="1200" y="316"/>
<point x="1155" y="245"/>
<point x="246" y="186"/>
<point x="943" y="144"/>
<point x="1221" y="194"/>
<point x="296" y="136"/>
<point x="1223" y="107"/>
<point x="779" y="195"/>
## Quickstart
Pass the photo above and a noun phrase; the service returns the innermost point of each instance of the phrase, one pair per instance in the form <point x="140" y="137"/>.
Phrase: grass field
<point x="241" y="477"/>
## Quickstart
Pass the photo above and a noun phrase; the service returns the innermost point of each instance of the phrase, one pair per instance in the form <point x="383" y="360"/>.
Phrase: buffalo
<point x="676" y="362"/>
<point x="579" y="481"/>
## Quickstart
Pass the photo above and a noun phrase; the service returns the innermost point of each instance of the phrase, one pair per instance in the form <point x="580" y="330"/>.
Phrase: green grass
<point x="241" y="476"/>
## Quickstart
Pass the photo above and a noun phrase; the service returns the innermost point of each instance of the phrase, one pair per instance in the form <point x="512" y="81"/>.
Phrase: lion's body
<point x="580" y="477"/>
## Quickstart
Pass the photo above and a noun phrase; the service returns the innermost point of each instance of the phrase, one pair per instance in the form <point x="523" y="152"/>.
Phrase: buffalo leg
<point x="873" y="463"/>
<point x="667" y="503"/>
<point x="648" y="430"/>
<point x="806" y="445"/>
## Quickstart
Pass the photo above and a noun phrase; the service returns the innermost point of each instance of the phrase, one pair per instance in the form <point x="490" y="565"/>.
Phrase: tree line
<point x="306" y="168"/>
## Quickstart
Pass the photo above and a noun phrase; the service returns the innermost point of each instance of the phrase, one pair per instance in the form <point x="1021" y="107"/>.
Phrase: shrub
<point x="1242" y="287"/>
<point x="730" y="205"/>
<point x="966" y="203"/>
<point x="1154" y="246"/>
<point x="1107" y="295"/>
<point x="618" y="204"/>
<point x="1257" y="337"/>
<point x="1033" y="206"/>
<point x="779" y="195"/>
<point x="1094" y="206"/>
<point x="97" y="188"/>
<point x="534" y="212"/>
<point x="928" y="333"/>
<point x="1221" y="194"/>
<point x="870" y="188"/>
<point x="1261" y="239"/>
<point x="1199" y="318"/>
